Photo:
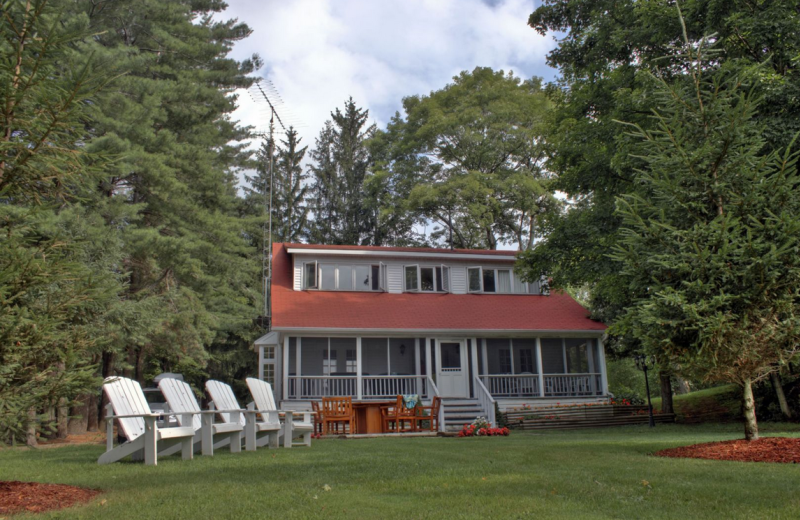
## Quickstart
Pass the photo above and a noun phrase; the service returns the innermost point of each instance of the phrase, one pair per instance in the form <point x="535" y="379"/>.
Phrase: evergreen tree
<point x="340" y="162"/>
<point x="711" y="234"/>
<point x="289" y="207"/>
<point x="192" y="278"/>
<point x="55" y="289"/>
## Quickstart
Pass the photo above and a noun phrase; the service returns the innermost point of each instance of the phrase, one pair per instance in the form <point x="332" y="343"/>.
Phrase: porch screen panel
<point x="525" y="356"/>
<point x="493" y="348"/>
<point x="401" y="353"/>
<point x="373" y="356"/>
<point x="312" y="351"/>
<point x="552" y="356"/>
<point x="577" y="356"/>
<point x="341" y="346"/>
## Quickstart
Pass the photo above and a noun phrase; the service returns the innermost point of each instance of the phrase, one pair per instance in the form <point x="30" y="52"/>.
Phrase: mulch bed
<point x="767" y="449"/>
<point x="33" y="497"/>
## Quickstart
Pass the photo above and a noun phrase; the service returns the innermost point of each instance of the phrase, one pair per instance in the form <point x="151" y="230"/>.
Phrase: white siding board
<point x="298" y="274"/>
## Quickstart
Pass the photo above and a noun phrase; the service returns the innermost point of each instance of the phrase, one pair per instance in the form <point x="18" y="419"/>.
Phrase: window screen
<point x="552" y="356"/>
<point x="310" y="275"/>
<point x="362" y="273"/>
<point x="376" y="277"/>
<point x="345" y="277"/>
<point x="488" y="280"/>
<point x="327" y="277"/>
<point x="505" y="361"/>
<point x="439" y="284"/>
<point x="426" y="279"/>
<point x="412" y="282"/>
<point x="474" y="275"/>
<point x="503" y="281"/>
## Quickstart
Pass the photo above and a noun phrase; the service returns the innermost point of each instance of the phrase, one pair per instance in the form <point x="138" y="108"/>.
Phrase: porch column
<point x="601" y="358"/>
<point x="298" y="383"/>
<point x="485" y="357"/>
<point x="540" y="366"/>
<point x="285" y="358"/>
<point x="417" y="367"/>
<point x="359" y="377"/>
<point x="261" y="362"/>
<point x="428" y="367"/>
<point x="474" y="352"/>
<point x="590" y="359"/>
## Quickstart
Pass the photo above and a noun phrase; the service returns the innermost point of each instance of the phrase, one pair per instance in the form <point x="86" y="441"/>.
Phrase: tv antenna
<point x="263" y="91"/>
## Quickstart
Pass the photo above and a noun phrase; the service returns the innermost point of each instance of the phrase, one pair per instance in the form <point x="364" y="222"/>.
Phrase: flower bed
<point x="480" y="427"/>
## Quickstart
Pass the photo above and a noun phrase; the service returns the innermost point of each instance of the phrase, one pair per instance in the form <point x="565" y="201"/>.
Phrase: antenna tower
<point x="265" y="92"/>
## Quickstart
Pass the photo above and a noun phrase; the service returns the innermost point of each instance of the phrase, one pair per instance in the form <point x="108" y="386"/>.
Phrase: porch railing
<point x="391" y="386"/>
<point x="505" y="385"/>
<point x="572" y="385"/>
<point x="373" y="387"/>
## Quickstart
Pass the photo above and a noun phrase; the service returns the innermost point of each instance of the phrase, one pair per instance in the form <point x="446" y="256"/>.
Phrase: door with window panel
<point x="452" y="370"/>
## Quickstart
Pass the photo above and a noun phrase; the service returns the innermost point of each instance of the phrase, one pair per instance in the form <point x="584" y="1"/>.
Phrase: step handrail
<point x="440" y="419"/>
<point x="486" y="400"/>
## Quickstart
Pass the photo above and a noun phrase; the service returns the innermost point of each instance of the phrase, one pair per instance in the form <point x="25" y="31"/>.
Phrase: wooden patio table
<point x="368" y="415"/>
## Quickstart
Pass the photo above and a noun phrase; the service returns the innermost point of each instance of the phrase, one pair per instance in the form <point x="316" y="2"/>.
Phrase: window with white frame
<point x="343" y="277"/>
<point x="350" y="362"/>
<point x="426" y="278"/>
<point x="488" y="280"/>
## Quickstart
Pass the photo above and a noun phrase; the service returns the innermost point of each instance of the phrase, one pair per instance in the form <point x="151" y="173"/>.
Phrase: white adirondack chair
<point x="129" y="407"/>
<point x="264" y="400"/>
<point x="256" y="434"/>
<point x="207" y="433"/>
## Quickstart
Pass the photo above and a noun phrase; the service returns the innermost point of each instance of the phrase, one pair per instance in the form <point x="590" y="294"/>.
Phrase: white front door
<point x="452" y="373"/>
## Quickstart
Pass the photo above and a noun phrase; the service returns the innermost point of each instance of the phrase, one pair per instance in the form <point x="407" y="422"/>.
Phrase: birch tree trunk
<point x="749" y="405"/>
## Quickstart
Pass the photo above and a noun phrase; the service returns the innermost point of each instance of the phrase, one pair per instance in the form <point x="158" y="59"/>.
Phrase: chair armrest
<point x="130" y="416"/>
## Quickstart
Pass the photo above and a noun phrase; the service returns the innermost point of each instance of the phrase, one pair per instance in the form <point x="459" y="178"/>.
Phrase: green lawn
<point x="604" y="473"/>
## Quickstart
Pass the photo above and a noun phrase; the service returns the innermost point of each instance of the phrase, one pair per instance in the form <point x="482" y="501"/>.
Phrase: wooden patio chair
<point x="432" y="418"/>
<point x="257" y="433"/>
<point x="399" y="415"/>
<point x="129" y="407"/>
<point x="318" y="421"/>
<point x="208" y="435"/>
<point x="294" y="422"/>
<point x="338" y="410"/>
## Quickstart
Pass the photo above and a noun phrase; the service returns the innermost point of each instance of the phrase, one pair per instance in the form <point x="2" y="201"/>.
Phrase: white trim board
<point x="322" y="331"/>
<point x="511" y="257"/>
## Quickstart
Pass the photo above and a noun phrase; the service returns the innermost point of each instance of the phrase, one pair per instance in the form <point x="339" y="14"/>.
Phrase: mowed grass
<point x="607" y="473"/>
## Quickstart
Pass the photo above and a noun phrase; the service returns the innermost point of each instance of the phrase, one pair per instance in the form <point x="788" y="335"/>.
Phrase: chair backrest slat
<point x="337" y="406"/>
<point x="224" y="399"/>
<point x="181" y="400"/>
<point x="127" y="398"/>
<point x="262" y="396"/>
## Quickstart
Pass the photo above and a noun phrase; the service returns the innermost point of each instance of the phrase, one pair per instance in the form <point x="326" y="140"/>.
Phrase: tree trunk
<point x="665" y="381"/>
<point x="775" y="378"/>
<point x="30" y="438"/>
<point x="63" y="419"/>
<point x="749" y="405"/>
<point x="92" y="419"/>
<point x="79" y="420"/>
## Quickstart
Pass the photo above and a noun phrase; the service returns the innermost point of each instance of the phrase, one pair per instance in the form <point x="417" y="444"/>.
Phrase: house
<point x="375" y="322"/>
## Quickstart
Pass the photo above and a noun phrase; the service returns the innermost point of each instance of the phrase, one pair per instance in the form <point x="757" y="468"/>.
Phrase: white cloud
<point x="320" y="52"/>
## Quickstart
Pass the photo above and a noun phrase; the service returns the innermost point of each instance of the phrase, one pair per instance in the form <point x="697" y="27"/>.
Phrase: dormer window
<point x="426" y="279"/>
<point x="489" y="280"/>
<point x="343" y="277"/>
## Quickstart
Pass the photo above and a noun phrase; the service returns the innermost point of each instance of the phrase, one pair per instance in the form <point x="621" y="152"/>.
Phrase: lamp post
<point x="645" y="363"/>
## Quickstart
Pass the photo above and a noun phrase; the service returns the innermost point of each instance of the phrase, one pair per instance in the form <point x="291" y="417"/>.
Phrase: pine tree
<point x="341" y="160"/>
<point x="710" y="237"/>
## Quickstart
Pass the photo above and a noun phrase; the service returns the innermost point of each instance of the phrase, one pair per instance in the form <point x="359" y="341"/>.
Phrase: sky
<point x="318" y="53"/>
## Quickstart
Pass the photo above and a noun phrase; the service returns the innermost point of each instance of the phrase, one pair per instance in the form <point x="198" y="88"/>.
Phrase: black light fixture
<point x="645" y="363"/>
<point x="402" y="349"/>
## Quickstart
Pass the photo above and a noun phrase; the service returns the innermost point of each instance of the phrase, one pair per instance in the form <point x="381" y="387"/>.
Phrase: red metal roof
<point x="413" y="311"/>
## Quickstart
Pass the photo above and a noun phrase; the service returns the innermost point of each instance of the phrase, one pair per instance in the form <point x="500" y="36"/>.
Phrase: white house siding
<point x="458" y="279"/>
<point x="298" y="274"/>
<point x="394" y="277"/>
